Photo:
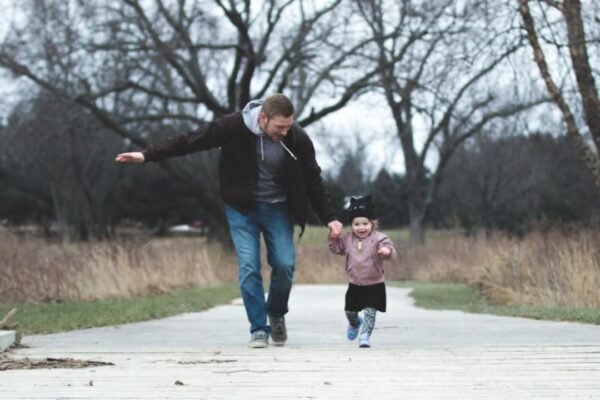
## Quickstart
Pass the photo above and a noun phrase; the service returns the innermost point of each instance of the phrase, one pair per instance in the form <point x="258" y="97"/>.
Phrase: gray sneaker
<point x="278" y="331"/>
<point x="259" y="340"/>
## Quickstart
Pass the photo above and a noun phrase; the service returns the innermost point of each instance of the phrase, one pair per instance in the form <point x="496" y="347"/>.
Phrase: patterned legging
<point x="368" y="320"/>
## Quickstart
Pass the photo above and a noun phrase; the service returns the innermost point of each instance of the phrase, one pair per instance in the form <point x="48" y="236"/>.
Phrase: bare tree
<point x="66" y="163"/>
<point x="576" y="42"/>
<point x="518" y="182"/>
<point x="148" y="68"/>
<point x="435" y="61"/>
<point x="489" y="177"/>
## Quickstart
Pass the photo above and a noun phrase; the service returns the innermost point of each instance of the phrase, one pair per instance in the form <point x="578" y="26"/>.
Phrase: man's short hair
<point x="278" y="105"/>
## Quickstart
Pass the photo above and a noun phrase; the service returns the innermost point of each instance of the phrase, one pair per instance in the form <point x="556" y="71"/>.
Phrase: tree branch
<point x="590" y="159"/>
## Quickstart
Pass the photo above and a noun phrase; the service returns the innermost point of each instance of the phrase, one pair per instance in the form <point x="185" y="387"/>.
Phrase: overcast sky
<point x="369" y="118"/>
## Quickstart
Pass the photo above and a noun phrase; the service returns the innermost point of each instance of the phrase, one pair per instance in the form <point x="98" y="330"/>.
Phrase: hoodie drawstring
<point x="262" y="150"/>
<point x="289" y="151"/>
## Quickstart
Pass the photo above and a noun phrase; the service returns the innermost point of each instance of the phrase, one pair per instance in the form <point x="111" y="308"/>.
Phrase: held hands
<point x="133" y="157"/>
<point x="384" y="252"/>
<point x="335" y="229"/>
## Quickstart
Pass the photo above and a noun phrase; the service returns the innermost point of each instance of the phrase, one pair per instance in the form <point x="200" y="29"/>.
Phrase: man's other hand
<point x="335" y="229"/>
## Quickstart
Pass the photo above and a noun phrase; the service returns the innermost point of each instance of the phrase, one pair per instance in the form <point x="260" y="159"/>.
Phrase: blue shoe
<point x="352" y="332"/>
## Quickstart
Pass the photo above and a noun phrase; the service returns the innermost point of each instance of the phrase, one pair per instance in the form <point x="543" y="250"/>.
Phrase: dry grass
<point x="36" y="270"/>
<point x="548" y="269"/>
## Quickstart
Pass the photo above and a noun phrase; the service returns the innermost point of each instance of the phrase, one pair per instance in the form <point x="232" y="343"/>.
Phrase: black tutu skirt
<point x="360" y="297"/>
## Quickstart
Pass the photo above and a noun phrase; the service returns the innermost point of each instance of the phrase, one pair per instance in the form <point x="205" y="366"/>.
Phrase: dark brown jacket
<point x="238" y="170"/>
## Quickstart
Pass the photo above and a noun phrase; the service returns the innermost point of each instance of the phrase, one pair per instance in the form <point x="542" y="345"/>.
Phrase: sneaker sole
<point x="278" y="343"/>
<point x="258" y="345"/>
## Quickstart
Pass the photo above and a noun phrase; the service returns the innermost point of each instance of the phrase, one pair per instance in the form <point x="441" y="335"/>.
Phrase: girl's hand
<point x="384" y="252"/>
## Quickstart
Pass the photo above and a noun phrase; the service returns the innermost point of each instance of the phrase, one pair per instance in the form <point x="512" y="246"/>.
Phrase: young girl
<point x="365" y="249"/>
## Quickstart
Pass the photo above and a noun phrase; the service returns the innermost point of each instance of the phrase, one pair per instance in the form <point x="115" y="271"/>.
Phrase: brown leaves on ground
<point x="8" y="363"/>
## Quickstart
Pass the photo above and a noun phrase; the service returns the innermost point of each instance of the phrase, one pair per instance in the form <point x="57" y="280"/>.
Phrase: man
<point x="267" y="173"/>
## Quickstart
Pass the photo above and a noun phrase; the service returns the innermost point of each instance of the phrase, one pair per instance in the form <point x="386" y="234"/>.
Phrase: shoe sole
<point x="278" y="343"/>
<point x="258" y="345"/>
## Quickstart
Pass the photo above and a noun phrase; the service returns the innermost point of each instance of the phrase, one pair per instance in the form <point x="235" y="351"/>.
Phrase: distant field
<point x="315" y="234"/>
<point x="552" y="269"/>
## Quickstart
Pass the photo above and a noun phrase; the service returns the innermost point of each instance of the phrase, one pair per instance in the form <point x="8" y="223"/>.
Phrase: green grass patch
<point x="451" y="296"/>
<point x="34" y="318"/>
<point x="315" y="234"/>
<point x="318" y="234"/>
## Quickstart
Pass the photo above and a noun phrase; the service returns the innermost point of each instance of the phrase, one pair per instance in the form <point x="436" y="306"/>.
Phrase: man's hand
<point x="335" y="229"/>
<point x="133" y="157"/>
<point x="384" y="252"/>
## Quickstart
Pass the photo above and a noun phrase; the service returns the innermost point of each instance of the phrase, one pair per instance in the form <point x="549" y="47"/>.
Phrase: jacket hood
<point x="250" y="115"/>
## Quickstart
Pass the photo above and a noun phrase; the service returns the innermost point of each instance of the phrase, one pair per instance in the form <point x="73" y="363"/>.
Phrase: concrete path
<point x="416" y="354"/>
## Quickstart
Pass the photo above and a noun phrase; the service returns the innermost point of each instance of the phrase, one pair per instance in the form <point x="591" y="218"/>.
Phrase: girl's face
<point x="361" y="226"/>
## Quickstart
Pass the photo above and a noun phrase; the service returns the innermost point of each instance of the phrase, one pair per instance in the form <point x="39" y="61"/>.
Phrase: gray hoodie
<point x="270" y="156"/>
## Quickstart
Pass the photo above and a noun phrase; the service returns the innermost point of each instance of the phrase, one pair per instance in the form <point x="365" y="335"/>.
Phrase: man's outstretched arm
<point x="132" y="157"/>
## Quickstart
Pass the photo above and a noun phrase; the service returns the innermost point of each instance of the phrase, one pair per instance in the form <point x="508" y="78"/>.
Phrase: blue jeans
<point x="275" y="223"/>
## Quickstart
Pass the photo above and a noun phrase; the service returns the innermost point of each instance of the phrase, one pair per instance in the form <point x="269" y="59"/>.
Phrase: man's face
<point x="361" y="226"/>
<point x="276" y="127"/>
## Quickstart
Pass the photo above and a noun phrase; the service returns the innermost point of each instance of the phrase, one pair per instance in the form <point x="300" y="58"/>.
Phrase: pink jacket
<point x="363" y="265"/>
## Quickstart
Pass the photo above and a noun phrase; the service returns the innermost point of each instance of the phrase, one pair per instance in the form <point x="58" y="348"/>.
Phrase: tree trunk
<point x="417" y="230"/>
<point x="591" y="160"/>
<point x="416" y="212"/>
<point x="583" y="71"/>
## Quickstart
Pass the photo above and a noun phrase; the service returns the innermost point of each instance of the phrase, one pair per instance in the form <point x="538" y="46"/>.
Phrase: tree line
<point x="123" y="74"/>
<point x="512" y="183"/>
<point x="67" y="181"/>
